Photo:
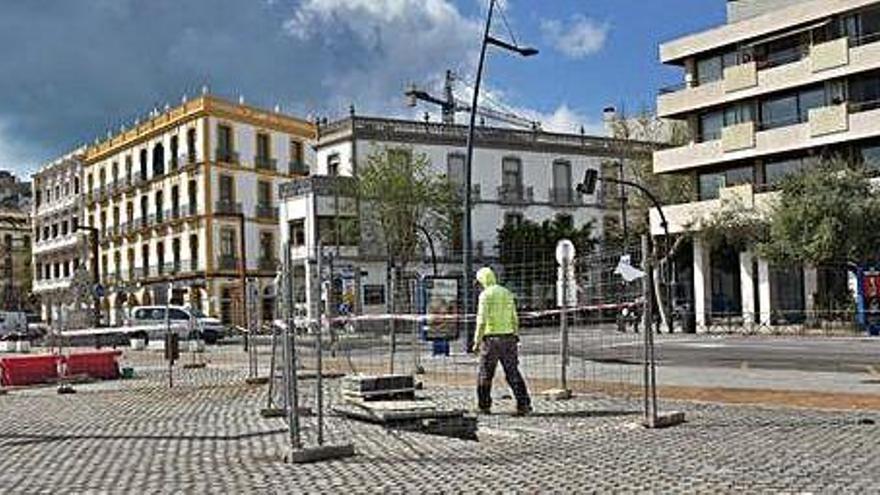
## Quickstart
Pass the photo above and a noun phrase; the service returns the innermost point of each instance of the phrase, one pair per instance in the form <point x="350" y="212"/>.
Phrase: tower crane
<point x="450" y="105"/>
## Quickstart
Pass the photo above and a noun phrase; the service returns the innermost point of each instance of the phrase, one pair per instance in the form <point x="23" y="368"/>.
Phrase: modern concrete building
<point x="58" y="249"/>
<point x="518" y="175"/>
<point x="188" y="198"/>
<point x="765" y="95"/>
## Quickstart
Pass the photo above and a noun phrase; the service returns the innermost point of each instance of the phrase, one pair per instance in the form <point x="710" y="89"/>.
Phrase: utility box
<point x="172" y="347"/>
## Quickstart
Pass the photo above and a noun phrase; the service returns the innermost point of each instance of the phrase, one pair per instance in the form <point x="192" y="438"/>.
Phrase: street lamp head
<point x="524" y="51"/>
<point x="588" y="186"/>
<point x="528" y="51"/>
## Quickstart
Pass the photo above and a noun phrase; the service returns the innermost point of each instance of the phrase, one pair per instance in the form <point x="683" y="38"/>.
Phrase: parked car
<point x="187" y="322"/>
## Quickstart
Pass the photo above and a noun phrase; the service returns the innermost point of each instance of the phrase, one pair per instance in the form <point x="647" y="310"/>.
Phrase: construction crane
<point x="450" y="105"/>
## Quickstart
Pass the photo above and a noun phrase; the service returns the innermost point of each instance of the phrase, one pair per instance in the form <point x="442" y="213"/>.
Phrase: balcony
<point x="740" y="77"/>
<point x="265" y="163"/>
<point x="227" y="207"/>
<point x="267" y="212"/>
<point x="829" y="55"/>
<point x="828" y="120"/>
<point x="515" y="194"/>
<point x="226" y="156"/>
<point x="268" y="264"/>
<point x="227" y="262"/>
<point x="297" y="167"/>
<point x="828" y="126"/>
<point x="564" y="197"/>
<point x="738" y="137"/>
<point x="476" y="191"/>
<point x="823" y="62"/>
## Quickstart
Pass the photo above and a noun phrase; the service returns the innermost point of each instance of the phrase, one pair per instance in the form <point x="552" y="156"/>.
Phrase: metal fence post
<point x="322" y="321"/>
<point x="563" y="327"/>
<point x="291" y="394"/>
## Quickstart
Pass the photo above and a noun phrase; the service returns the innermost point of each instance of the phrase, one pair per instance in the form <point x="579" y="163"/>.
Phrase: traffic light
<point x="588" y="186"/>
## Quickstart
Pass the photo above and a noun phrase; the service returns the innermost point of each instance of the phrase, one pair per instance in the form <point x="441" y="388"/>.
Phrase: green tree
<point x="638" y="137"/>
<point x="527" y="254"/>
<point x="401" y="193"/>
<point x="827" y="215"/>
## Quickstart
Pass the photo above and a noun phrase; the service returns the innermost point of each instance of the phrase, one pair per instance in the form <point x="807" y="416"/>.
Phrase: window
<point x="562" y="176"/>
<point x="175" y="200"/>
<point x="455" y="168"/>
<point x="869" y="155"/>
<point x="333" y="165"/>
<point x="296" y="152"/>
<point x="342" y="231"/>
<point x="102" y="181"/>
<point x="710" y="126"/>
<point x="143" y="163"/>
<point x="177" y="314"/>
<point x="709" y="70"/>
<point x="194" y="250"/>
<point x="775" y="171"/>
<point x="782" y="51"/>
<point x="224" y="143"/>
<point x="779" y="111"/>
<point x="145" y="206"/>
<point x="865" y="92"/>
<point x="175" y="145"/>
<point x="810" y="99"/>
<point x="264" y="193"/>
<point x="158" y="160"/>
<point x="710" y="184"/>
<point x="263" y="148"/>
<point x="297" y="232"/>
<point x="227" y="242"/>
<point x="227" y="189"/>
<point x="511" y="174"/>
<point x="513" y="219"/>
<point x="267" y="245"/>
<point x="76" y="185"/>
<point x="127" y="169"/>
<point x="175" y="253"/>
<point x="791" y="108"/>
<point x="160" y="204"/>
<point x="374" y="295"/>
<point x="114" y="172"/>
<point x="191" y="145"/>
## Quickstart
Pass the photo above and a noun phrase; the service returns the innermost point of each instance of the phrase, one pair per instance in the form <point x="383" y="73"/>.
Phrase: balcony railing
<point x="297" y="167"/>
<point x="515" y="194"/>
<point x="268" y="264"/>
<point x="228" y="262"/>
<point x="265" y="163"/>
<point x="226" y="156"/>
<point x="226" y="207"/>
<point x="564" y="197"/>
<point x="267" y="212"/>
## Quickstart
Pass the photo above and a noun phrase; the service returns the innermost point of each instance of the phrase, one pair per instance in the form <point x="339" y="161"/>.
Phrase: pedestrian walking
<point x="496" y="340"/>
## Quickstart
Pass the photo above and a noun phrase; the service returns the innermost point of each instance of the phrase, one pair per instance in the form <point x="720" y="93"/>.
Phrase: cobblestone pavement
<point x="206" y="435"/>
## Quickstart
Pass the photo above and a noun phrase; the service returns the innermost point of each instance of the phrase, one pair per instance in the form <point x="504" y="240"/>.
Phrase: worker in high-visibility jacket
<point x="497" y="340"/>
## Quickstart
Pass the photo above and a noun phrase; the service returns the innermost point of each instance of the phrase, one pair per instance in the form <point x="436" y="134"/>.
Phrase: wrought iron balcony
<point x="268" y="264"/>
<point x="226" y="156"/>
<point x="267" y="212"/>
<point x="297" y="167"/>
<point x="515" y="194"/>
<point x="228" y="262"/>
<point x="265" y="163"/>
<point x="564" y="197"/>
<point x="227" y="207"/>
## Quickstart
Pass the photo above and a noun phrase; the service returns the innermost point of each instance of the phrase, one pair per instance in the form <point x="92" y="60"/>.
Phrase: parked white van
<point x="183" y="320"/>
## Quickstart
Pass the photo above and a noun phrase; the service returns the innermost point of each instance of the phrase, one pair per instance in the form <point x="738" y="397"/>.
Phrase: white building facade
<point x="58" y="249"/>
<point x="518" y="175"/>
<point x="781" y="85"/>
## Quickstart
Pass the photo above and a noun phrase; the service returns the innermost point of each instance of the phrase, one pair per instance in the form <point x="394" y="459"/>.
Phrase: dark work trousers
<point x="504" y="349"/>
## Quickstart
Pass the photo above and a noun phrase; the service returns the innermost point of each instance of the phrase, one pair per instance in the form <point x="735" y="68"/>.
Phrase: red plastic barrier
<point x="98" y="364"/>
<point x="28" y="370"/>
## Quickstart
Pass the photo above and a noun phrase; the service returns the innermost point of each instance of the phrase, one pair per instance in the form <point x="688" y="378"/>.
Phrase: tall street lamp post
<point x="467" y="255"/>
<point x="96" y="276"/>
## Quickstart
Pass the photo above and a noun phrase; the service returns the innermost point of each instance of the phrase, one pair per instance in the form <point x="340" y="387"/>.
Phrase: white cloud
<point x="384" y="44"/>
<point x="578" y="38"/>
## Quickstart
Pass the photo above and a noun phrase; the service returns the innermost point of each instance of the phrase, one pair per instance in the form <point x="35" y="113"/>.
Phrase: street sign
<point x="99" y="290"/>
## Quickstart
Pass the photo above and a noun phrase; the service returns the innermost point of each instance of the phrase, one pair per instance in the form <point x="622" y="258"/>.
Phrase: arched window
<point x="143" y="160"/>
<point x="158" y="160"/>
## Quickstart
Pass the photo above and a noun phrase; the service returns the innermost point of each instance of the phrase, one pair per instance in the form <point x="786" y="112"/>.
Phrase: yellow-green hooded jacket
<point x="496" y="312"/>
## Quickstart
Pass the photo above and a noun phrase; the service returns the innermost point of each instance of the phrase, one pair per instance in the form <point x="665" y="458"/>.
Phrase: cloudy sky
<point x="70" y="70"/>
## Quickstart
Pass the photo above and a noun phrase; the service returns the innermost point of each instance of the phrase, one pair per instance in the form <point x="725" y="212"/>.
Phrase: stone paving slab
<point x="206" y="436"/>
